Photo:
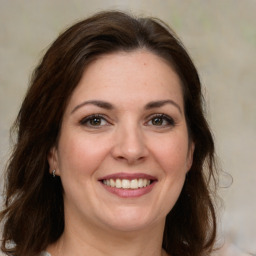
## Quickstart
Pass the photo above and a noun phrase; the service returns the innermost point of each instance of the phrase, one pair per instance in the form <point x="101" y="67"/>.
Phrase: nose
<point x="129" y="145"/>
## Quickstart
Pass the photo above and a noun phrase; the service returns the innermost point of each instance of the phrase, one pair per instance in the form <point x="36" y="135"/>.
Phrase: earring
<point x="53" y="173"/>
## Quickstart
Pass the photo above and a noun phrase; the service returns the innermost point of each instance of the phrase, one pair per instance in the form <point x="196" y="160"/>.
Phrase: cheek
<point x="172" y="155"/>
<point x="80" y="154"/>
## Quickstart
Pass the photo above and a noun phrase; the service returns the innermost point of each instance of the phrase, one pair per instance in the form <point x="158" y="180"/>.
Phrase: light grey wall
<point x="221" y="38"/>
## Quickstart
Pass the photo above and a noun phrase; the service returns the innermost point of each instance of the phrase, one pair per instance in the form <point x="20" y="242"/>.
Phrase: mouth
<point x="127" y="184"/>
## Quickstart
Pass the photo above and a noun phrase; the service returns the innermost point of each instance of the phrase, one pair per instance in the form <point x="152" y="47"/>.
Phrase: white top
<point x="45" y="254"/>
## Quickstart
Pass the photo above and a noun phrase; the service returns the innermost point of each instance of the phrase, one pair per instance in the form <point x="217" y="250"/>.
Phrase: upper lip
<point x="128" y="176"/>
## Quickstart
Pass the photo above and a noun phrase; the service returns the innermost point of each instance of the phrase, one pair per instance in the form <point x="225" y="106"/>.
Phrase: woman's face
<point x="123" y="151"/>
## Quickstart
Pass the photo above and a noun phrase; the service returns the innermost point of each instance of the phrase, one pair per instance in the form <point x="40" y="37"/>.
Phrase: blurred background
<point x="220" y="36"/>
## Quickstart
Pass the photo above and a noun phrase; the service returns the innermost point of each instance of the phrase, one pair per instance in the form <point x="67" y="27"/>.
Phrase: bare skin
<point x="125" y="120"/>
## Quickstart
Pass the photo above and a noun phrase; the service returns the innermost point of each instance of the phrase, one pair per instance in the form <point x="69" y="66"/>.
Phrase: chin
<point x="132" y="220"/>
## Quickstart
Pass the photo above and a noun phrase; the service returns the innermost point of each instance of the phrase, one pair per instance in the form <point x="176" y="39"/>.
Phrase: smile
<point x="126" y="183"/>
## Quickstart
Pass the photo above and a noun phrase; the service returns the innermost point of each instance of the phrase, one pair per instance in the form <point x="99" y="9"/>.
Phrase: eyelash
<point x="169" y="120"/>
<point x="164" y="118"/>
<point x="85" y="121"/>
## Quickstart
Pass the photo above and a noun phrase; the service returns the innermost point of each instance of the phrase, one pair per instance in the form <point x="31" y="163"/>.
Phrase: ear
<point x="53" y="160"/>
<point x="190" y="156"/>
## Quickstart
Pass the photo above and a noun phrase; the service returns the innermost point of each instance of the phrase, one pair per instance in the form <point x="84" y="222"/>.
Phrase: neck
<point x="90" y="241"/>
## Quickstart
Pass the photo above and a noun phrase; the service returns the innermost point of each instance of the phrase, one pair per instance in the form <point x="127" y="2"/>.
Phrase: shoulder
<point x="44" y="253"/>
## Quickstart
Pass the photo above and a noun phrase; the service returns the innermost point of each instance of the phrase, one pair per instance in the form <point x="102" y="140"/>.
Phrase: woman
<point x="113" y="154"/>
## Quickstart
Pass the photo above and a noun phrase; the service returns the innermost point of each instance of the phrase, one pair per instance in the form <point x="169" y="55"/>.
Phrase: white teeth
<point x="134" y="183"/>
<point x="140" y="183"/>
<point x="127" y="184"/>
<point x="118" y="183"/>
<point x="112" y="183"/>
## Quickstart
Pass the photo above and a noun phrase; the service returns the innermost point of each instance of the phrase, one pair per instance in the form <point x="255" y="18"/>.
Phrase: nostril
<point x="121" y="158"/>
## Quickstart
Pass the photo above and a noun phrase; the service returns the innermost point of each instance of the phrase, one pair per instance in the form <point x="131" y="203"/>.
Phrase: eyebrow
<point x="160" y="103"/>
<point x="109" y="106"/>
<point x="98" y="103"/>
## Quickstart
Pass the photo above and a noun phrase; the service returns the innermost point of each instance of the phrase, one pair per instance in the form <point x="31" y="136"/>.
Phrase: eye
<point x="161" y="120"/>
<point x="94" y="121"/>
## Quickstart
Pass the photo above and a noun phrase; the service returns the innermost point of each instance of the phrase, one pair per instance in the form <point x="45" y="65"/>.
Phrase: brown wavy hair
<point x="33" y="215"/>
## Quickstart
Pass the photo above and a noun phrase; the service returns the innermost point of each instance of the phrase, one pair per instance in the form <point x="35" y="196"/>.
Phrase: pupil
<point x="157" y="121"/>
<point x="95" y="121"/>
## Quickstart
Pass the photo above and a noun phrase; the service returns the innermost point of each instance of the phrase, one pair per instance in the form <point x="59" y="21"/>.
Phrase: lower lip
<point x="128" y="193"/>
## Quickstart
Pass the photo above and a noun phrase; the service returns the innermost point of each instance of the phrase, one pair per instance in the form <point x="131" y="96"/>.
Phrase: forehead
<point x="127" y="76"/>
